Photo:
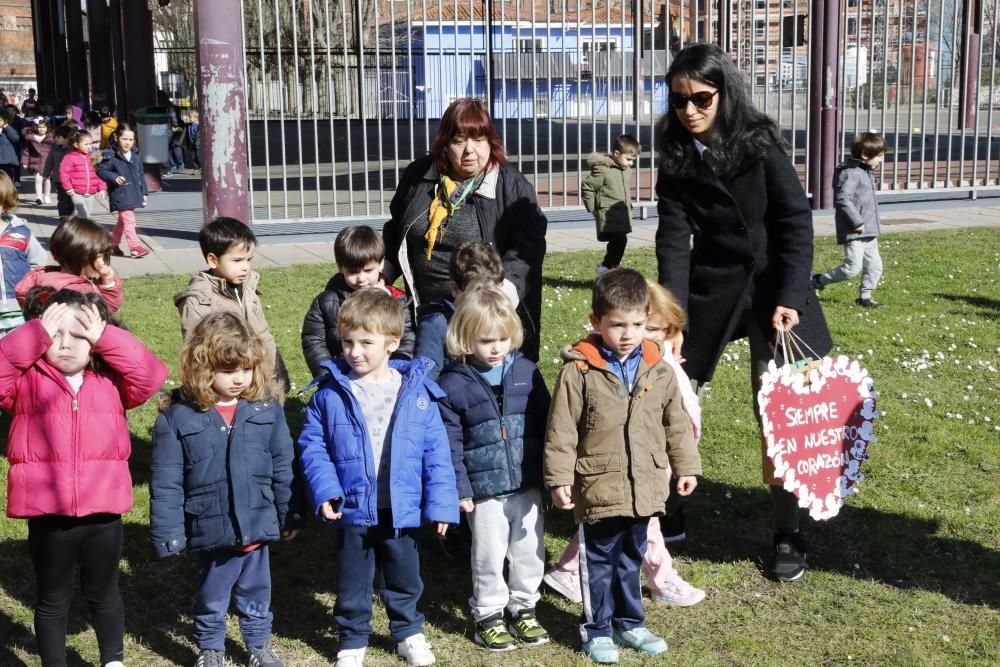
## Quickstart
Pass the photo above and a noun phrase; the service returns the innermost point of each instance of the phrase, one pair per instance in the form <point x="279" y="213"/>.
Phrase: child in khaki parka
<point x="605" y="193"/>
<point x="617" y="419"/>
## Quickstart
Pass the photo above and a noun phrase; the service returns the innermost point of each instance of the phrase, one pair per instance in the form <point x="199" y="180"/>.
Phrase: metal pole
<point x="823" y="100"/>
<point x="225" y="172"/>
<point x="816" y="30"/>
<point x="972" y="29"/>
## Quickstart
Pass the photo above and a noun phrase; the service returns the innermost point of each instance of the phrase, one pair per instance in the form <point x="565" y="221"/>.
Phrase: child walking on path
<point x="70" y="477"/>
<point x="666" y="586"/>
<point x="617" y="421"/>
<point x="77" y="175"/>
<point x="857" y="218"/>
<point x="606" y="192"/>
<point x="375" y="456"/>
<point x="122" y="170"/>
<point x="37" y="144"/>
<point x="82" y="250"/>
<point x="360" y="256"/>
<point x="50" y="170"/>
<point x="19" y="252"/>
<point x="220" y="447"/>
<point x="495" y="410"/>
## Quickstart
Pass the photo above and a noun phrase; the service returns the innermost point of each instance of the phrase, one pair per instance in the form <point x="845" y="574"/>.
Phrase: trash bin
<point x="153" y="134"/>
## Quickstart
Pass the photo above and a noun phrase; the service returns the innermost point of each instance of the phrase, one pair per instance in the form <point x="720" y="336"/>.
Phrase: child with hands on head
<point x="70" y="477"/>
<point x="77" y="175"/>
<point x="617" y="421"/>
<point x="663" y="326"/>
<point x="375" y="456"/>
<point x="220" y="446"/>
<point x="495" y="409"/>
<point x="82" y="250"/>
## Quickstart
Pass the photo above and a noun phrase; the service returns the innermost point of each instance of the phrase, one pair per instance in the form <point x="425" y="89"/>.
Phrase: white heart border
<point x="829" y="507"/>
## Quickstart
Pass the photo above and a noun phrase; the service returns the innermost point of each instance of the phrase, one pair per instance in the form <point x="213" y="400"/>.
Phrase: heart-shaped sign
<point x="818" y="425"/>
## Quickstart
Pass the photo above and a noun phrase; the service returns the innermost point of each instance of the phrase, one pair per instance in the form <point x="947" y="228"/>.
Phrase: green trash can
<point x="152" y="134"/>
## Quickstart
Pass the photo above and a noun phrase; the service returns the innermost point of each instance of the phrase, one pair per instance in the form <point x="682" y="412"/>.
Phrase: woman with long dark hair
<point x="726" y="181"/>
<point x="466" y="191"/>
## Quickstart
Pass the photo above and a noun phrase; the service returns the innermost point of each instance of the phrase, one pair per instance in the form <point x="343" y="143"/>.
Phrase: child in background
<point x="50" y="171"/>
<point x="109" y="124"/>
<point x="666" y="586"/>
<point x="92" y="125"/>
<point x="606" y="193"/>
<point x="223" y="427"/>
<point x="77" y="175"/>
<point x="360" y="255"/>
<point x="229" y="284"/>
<point x="375" y="457"/>
<point x="122" y="170"/>
<point x="617" y="421"/>
<point x="494" y="409"/>
<point x="37" y="144"/>
<point x="10" y="145"/>
<point x="471" y="261"/>
<point x="19" y="252"/>
<point x="192" y="138"/>
<point x="70" y="477"/>
<point x="856" y="213"/>
<point x="82" y="250"/>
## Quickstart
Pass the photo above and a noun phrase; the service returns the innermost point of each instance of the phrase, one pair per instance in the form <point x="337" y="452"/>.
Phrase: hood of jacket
<point x="601" y="160"/>
<point x="587" y="352"/>
<point x="205" y="286"/>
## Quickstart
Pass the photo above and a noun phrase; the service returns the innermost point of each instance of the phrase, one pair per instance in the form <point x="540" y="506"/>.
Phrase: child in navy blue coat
<point x="122" y="170"/>
<point x="375" y="457"/>
<point x="222" y="482"/>
<point x="495" y="410"/>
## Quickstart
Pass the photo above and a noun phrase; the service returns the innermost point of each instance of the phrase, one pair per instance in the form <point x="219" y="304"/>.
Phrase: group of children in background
<point x="392" y="440"/>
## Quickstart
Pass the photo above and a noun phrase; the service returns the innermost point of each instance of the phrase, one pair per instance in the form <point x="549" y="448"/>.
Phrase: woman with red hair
<point x="465" y="190"/>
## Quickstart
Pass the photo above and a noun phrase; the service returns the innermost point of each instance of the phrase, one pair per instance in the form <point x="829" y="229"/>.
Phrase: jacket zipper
<point x="503" y="424"/>
<point x="76" y="452"/>
<point x="628" y="440"/>
<point x="369" y="457"/>
<point x="229" y="466"/>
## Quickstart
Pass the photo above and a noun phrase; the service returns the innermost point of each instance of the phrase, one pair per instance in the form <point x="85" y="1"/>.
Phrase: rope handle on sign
<point x="791" y="347"/>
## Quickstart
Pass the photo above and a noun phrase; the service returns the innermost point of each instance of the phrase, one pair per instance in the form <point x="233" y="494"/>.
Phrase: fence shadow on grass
<point x="896" y="550"/>
<point x="987" y="308"/>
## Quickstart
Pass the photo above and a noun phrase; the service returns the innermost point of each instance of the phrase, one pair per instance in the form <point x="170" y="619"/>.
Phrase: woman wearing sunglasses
<point x="725" y="179"/>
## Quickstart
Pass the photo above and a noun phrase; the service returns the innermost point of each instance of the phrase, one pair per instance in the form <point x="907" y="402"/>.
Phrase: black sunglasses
<point x="701" y="100"/>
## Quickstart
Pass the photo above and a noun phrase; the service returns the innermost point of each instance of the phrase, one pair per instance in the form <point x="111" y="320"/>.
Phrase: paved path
<point x="169" y="226"/>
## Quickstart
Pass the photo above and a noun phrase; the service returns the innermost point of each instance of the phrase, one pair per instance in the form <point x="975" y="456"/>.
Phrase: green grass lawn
<point x="908" y="573"/>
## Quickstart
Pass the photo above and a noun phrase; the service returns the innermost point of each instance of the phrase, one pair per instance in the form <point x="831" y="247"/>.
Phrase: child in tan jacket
<point x="617" y="420"/>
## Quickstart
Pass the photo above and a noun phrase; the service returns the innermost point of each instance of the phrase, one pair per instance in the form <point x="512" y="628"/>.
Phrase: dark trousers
<point x="57" y="545"/>
<point x="616" y="248"/>
<point x="64" y="203"/>
<point x="359" y="550"/>
<point x="611" y="553"/>
<point x="220" y="573"/>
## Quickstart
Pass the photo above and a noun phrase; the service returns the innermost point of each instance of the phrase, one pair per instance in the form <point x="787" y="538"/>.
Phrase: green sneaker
<point x="492" y="635"/>
<point x="526" y="628"/>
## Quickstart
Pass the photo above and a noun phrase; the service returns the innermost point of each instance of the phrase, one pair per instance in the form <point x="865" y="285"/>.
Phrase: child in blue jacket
<point x="222" y="482"/>
<point x="121" y="168"/>
<point x="375" y="457"/>
<point x="495" y="411"/>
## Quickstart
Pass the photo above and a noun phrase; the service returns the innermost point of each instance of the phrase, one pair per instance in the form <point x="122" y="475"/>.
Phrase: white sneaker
<point x="601" y="269"/>
<point x="677" y="593"/>
<point x="416" y="651"/>
<point x="48" y="200"/>
<point x="115" y="663"/>
<point x="351" y="657"/>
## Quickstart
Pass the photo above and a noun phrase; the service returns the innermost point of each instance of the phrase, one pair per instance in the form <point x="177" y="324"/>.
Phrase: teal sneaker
<point x="640" y="639"/>
<point x="601" y="649"/>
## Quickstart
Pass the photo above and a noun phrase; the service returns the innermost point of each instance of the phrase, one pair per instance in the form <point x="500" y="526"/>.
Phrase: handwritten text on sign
<point x="818" y="431"/>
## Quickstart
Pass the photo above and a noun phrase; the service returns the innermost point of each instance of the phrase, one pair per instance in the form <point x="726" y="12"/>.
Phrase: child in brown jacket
<point x="617" y="420"/>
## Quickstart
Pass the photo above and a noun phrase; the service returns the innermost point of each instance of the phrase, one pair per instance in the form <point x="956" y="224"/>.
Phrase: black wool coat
<point x="511" y="221"/>
<point x="753" y="249"/>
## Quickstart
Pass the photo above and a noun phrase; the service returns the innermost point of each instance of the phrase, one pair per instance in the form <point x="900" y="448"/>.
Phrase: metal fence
<point x="342" y="95"/>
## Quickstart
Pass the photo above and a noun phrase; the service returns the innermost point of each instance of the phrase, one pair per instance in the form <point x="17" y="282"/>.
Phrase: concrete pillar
<point x="221" y="101"/>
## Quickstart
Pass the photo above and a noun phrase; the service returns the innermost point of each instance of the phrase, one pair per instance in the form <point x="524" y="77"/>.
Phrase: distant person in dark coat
<point x="725" y="179"/>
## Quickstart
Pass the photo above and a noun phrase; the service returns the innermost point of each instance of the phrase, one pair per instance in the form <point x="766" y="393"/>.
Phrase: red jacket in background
<point x="69" y="451"/>
<point x="77" y="173"/>
<point x="57" y="279"/>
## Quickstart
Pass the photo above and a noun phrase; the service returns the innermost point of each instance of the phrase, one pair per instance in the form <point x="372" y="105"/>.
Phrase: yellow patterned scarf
<point x="444" y="205"/>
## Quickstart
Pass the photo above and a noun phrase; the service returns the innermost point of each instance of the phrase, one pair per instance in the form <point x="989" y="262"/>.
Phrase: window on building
<point x="852" y="26"/>
<point x="530" y="45"/>
<point x="759" y="56"/>
<point x="597" y="46"/>
<point x="759" y="27"/>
